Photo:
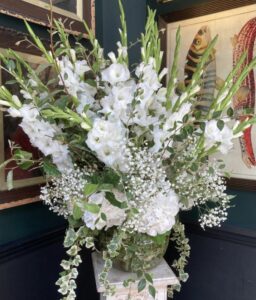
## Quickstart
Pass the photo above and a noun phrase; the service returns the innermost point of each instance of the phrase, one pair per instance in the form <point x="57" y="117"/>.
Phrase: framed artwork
<point x="71" y="12"/>
<point x="234" y="21"/>
<point x="26" y="183"/>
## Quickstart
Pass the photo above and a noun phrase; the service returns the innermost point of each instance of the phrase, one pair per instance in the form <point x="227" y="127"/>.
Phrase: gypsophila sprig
<point x="60" y="190"/>
<point x="123" y="154"/>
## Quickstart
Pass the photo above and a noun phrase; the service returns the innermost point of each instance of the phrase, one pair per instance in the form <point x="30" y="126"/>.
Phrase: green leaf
<point x="105" y="187"/>
<point x="142" y="284"/>
<point x="49" y="168"/>
<point x="185" y="118"/>
<point x="149" y="278"/>
<point x="202" y="126"/>
<point x="10" y="180"/>
<point x="91" y="82"/>
<point x="110" y="177"/>
<point x="194" y="167"/>
<point x="112" y="199"/>
<point x="160" y="239"/>
<point x="139" y="273"/>
<point x="77" y="212"/>
<point x="170" y="149"/>
<point x="184" y="277"/>
<point x="220" y="124"/>
<point x="230" y="112"/>
<point x="216" y="114"/>
<point x="198" y="114"/>
<point x="90" y="189"/>
<point x="103" y="217"/>
<point x="91" y="207"/>
<point x="25" y="165"/>
<point x="70" y="238"/>
<point x="21" y="154"/>
<point x="152" y="291"/>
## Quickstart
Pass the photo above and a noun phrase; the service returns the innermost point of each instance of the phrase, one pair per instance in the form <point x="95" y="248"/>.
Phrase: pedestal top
<point x="161" y="274"/>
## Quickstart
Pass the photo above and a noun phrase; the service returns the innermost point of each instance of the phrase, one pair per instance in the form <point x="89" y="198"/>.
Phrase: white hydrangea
<point x="107" y="138"/>
<point x="151" y="194"/>
<point x="214" y="135"/>
<point x="159" y="218"/>
<point x="116" y="73"/>
<point x="114" y="215"/>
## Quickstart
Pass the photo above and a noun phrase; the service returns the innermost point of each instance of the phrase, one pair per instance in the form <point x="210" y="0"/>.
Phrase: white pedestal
<point x="162" y="276"/>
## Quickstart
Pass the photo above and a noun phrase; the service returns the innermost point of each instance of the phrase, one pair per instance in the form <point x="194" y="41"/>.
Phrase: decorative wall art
<point x="234" y="22"/>
<point x="73" y="12"/>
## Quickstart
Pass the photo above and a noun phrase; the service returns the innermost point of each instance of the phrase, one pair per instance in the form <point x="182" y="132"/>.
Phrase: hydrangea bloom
<point x="159" y="217"/>
<point x="114" y="215"/>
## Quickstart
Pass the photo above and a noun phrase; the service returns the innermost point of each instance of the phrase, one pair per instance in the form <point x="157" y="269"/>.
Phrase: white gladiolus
<point x="118" y="103"/>
<point x="107" y="138"/>
<point x="15" y="113"/>
<point x="72" y="75"/>
<point x="41" y="135"/>
<point x="214" y="135"/>
<point x="16" y="101"/>
<point x="29" y="113"/>
<point x="148" y="75"/>
<point x="116" y="73"/>
<point x="177" y="117"/>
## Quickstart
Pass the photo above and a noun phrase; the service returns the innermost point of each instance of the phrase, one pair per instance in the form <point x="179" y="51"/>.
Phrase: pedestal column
<point x="162" y="275"/>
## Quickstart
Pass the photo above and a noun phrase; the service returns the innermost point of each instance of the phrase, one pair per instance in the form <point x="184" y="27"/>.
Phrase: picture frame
<point x="26" y="190"/>
<point x="38" y="11"/>
<point x="229" y="20"/>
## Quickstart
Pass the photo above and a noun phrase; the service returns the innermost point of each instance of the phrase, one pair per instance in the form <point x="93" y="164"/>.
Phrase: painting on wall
<point x="71" y="12"/>
<point x="26" y="182"/>
<point x="235" y="24"/>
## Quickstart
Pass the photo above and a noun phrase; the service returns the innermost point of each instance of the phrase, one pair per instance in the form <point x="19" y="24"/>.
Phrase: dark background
<point x="222" y="264"/>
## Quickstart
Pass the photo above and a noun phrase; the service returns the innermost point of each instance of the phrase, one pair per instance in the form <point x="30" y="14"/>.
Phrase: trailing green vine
<point x="183" y="248"/>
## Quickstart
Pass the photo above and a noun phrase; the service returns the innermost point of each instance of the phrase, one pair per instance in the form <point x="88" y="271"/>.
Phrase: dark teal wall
<point x="108" y="22"/>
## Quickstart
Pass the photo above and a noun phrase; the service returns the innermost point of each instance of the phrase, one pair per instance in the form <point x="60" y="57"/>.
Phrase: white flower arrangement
<point x="124" y="152"/>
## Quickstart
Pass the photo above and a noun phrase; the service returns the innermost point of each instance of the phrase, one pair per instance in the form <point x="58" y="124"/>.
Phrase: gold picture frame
<point x="38" y="11"/>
